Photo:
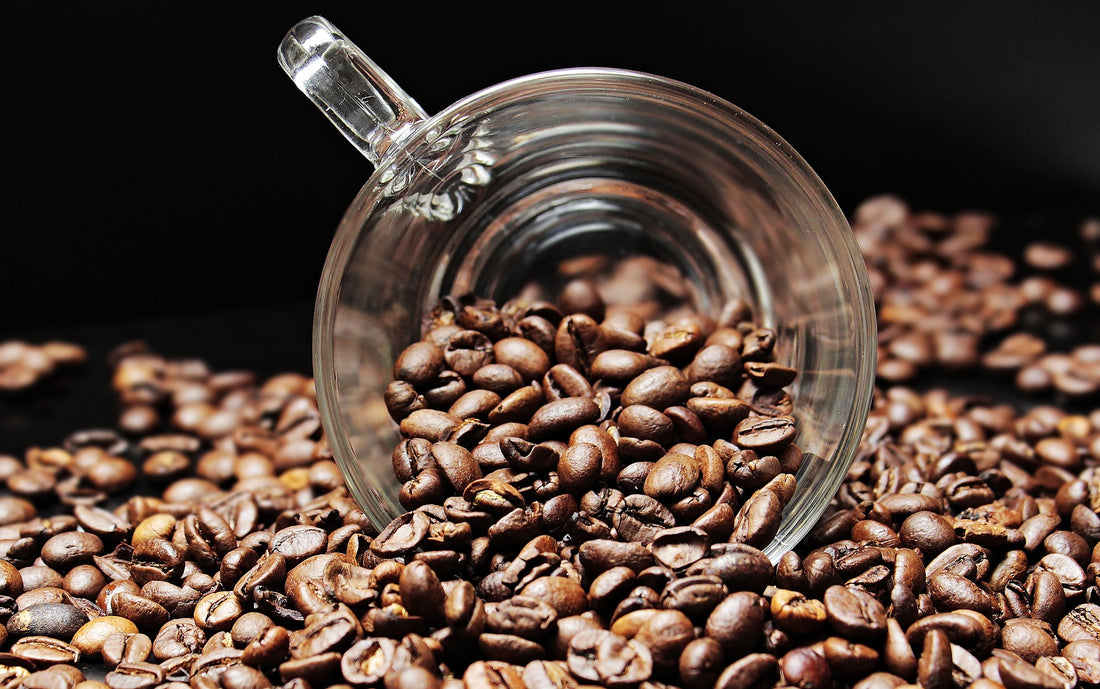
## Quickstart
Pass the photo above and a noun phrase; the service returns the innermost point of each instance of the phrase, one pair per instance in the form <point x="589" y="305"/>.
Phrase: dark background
<point x="162" y="169"/>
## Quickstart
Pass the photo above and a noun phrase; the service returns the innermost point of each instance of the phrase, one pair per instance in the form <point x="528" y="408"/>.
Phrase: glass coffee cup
<point x="524" y="185"/>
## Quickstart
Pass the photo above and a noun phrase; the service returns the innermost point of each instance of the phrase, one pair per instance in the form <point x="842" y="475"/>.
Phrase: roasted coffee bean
<point x="640" y="518"/>
<point x="1080" y="623"/>
<point x="136" y="675"/>
<point x="296" y="543"/>
<point x="760" y="433"/>
<point x="854" y="613"/>
<point x="44" y="650"/>
<point x="796" y="614"/>
<point x="122" y="647"/>
<point x="147" y="614"/>
<point x="700" y="663"/>
<point x="509" y="648"/>
<point x="950" y="591"/>
<point x="325" y="632"/>
<point x="679" y="547"/>
<point x="1029" y="638"/>
<point x="269" y="647"/>
<point x="522" y="616"/>
<point x="369" y="660"/>
<point x="579" y="339"/>
<point x="493" y="674"/>
<point x="673" y="477"/>
<point x="607" y="658"/>
<point x="1014" y="672"/>
<point x="563" y="594"/>
<point x="542" y="674"/>
<point x="249" y="626"/>
<point x="89" y="639"/>
<point x="60" y="620"/>
<point x="803" y="667"/>
<point x="754" y="671"/>
<point x="619" y="366"/>
<point x="758" y="520"/>
<point x="523" y="355"/>
<point x="602" y="554"/>
<point x="466" y="351"/>
<point x="934" y="666"/>
<point x="579" y="467"/>
<point x="323" y="669"/>
<point x="679" y="341"/>
<point x="557" y="419"/>
<point x="737" y="623"/>
<point x="69" y="549"/>
<point x="647" y="423"/>
<point x="176" y="638"/>
<point x="971" y="631"/>
<point x="443" y="391"/>
<point x="419" y="364"/>
<point x="666" y="634"/>
<point x="659" y="387"/>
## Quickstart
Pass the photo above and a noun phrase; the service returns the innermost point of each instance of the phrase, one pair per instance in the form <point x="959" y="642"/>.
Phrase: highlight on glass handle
<point x="361" y="100"/>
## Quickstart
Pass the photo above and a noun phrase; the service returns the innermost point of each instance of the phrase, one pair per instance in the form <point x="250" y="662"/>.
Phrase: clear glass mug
<point x="498" y="191"/>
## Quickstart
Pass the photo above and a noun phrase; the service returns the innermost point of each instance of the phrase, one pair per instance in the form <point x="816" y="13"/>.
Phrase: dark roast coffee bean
<point x="695" y="596"/>
<point x="700" y="663"/>
<point x="754" y="671"/>
<point x="579" y="339"/>
<point x="854" y="613"/>
<point x="619" y="366"/>
<point x="737" y="623"/>
<point x="716" y="363"/>
<point x="1015" y="672"/>
<point x="803" y="667"/>
<point x="523" y="355"/>
<point x="467" y="351"/>
<point x="498" y="378"/>
<point x="659" y="387"/>
<point x="564" y="595"/>
<point x="419" y="364"/>
<point x="59" y="620"/>
<point x="640" y="518"/>
<point x="607" y="658"/>
<point x="518" y="405"/>
<point x="559" y="418"/>
<point x="673" y="476"/>
<point x="126" y="648"/>
<point x="67" y="550"/>
<point x="760" y="433"/>
<point x="579" y="467"/>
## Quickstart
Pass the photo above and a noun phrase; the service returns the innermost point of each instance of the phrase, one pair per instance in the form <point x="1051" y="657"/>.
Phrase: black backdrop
<point x="161" y="165"/>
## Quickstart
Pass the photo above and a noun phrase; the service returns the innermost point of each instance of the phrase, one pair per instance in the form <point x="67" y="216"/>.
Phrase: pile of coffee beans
<point x="567" y="419"/>
<point x="209" y="541"/>
<point x="949" y="301"/>
<point x="24" y="365"/>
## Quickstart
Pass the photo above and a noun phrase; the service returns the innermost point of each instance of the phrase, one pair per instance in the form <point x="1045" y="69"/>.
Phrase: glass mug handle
<point x="362" y="101"/>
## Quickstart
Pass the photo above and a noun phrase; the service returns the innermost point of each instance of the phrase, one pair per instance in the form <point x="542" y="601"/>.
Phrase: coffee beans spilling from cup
<point x="564" y="419"/>
<point x="587" y="495"/>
